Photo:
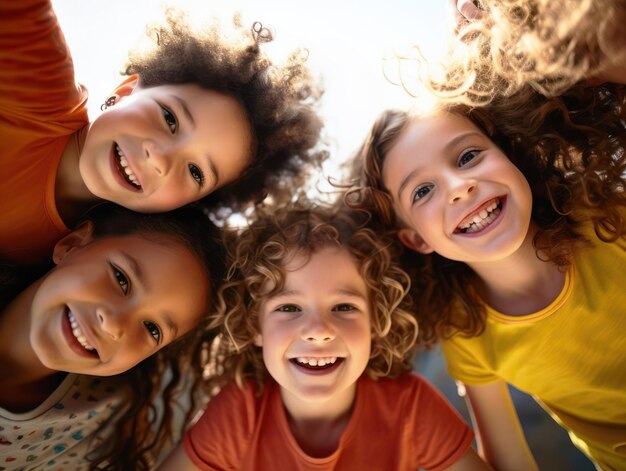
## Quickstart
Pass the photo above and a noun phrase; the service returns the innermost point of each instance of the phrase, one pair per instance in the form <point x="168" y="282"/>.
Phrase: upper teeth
<point x="78" y="333"/>
<point x="316" y="361"/>
<point x="482" y="218"/>
<point x="130" y="176"/>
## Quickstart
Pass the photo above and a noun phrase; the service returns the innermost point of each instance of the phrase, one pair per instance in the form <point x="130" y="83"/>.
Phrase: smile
<point x="124" y="168"/>
<point x="78" y="333"/>
<point x="317" y="364"/>
<point x="481" y="218"/>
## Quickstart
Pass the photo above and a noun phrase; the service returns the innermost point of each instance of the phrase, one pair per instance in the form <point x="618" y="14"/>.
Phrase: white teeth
<point x="130" y="176"/>
<point x="316" y="361"/>
<point x="482" y="218"/>
<point x="78" y="333"/>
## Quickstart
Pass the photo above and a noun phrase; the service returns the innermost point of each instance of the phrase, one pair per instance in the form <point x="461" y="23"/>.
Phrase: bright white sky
<point x="347" y="40"/>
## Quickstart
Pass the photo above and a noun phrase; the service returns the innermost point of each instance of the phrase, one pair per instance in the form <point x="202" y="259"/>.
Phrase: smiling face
<point x="162" y="147"/>
<point x="315" y="333"/>
<point x="456" y="192"/>
<point x="112" y="302"/>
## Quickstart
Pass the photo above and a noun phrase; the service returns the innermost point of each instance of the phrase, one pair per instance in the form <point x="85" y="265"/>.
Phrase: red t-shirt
<point x="401" y="424"/>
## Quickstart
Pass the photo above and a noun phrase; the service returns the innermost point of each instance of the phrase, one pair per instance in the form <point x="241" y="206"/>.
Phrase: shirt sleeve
<point x="220" y="438"/>
<point x="462" y="362"/>
<point x="442" y="436"/>
<point x="36" y="70"/>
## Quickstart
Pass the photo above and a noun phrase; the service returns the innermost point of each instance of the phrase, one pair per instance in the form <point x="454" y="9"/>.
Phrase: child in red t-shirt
<point x="313" y="329"/>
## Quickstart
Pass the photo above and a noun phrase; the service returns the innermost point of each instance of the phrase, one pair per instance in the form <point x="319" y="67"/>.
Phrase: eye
<point x="121" y="278"/>
<point x="288" y="308"/>
<point x="421" y="192"/>
<point x="467" y="157"/>
<point x="170" y="119"/>
<point x="344" y="308"/>
<point x="196" y="173"/>
<point x="153" y="330"/>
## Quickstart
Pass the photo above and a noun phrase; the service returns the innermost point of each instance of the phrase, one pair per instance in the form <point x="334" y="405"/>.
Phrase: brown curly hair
<point x="280" y="101"/>
<point x="547" y="44"/>
<point x="571" y="151"/>
<point x="257" y="270"/>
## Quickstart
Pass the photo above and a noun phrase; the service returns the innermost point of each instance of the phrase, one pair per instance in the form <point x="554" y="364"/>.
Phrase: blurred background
<point x="348" y="42"/>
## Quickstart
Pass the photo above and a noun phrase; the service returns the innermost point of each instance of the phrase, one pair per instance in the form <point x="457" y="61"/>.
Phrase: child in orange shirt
<point x="198" y="117"/>
<point x="313" y="329"/>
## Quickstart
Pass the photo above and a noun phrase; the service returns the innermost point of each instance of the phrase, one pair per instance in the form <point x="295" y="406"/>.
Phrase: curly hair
<point x="571" y="151"/>
<point x="257" y="270"/>
<point x="547" y="44"/>
<point x="280" y="101"/>
<point x="141" y="431"/>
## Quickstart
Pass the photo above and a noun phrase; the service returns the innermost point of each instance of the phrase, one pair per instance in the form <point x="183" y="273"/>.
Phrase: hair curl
<point x="279" y="101"/>
<point x="257" y="271"/>
<point x="547" y="44"/>
<point x="571" y="151"/>
<point x="140" y="431"/>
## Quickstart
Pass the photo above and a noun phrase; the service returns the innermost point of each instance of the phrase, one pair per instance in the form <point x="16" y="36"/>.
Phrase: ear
<point x="258" y="340"/>
<point x="79" y="237"/>
<point x="125" y="88"/>
<point x="413" y="241"/>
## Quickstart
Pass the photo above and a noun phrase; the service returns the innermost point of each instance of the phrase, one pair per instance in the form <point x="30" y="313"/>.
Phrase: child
<point x="313" y="327"/>
<point x="549" y="45"/>
<point x="196" y="116"/>
<point x="85" y="346"/>
<point x="516" y="248"/>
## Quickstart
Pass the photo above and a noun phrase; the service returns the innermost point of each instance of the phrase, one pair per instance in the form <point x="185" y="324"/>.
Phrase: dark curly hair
<point x="257" y="270"/>
<point x="571" y="151"/>
<point x="279" y="101"/>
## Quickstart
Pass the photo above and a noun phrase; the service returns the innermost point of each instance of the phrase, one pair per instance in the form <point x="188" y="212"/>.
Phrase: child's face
<point x="162" y="147"/>
<point x="316" y="334"/>
<point x="456" y="192"/>
<point x="112" y="302"/>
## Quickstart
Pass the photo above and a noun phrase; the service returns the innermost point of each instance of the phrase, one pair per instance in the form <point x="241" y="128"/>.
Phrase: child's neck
<point x="72" y="196"/>
<point x="521" y="284"/>
<point x="318" y="426"/>
<point x="26" y="382"/>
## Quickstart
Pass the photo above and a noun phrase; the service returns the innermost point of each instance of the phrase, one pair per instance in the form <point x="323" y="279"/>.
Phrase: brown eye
<point x="170" y="119"/>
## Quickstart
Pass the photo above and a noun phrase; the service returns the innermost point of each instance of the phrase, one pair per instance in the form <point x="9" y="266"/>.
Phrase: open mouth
<point x="124" y="169"/>
<point x="317" y="364"/>
<point x="481" y="218"/>
<point x="80" y="336"/>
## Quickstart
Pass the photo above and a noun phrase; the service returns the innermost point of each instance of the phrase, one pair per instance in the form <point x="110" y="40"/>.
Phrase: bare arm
<point x="470" y="461"/>
<point x="501" y="441"/>
<point x="177" y="461"/>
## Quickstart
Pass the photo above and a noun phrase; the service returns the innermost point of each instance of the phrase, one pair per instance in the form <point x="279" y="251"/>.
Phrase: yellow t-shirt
<point x="571" y="356"/>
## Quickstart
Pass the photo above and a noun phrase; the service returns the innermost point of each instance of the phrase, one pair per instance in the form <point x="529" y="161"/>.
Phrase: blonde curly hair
<point x="257" y="270"/>
<point x="549" y="45"/>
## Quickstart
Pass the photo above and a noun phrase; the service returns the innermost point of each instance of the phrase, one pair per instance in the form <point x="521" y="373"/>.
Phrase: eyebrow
<point x="350" y="292"/>
<point x="137" y="270"/>
<point x="183" y="105"/>
<point x="453" y="142"/>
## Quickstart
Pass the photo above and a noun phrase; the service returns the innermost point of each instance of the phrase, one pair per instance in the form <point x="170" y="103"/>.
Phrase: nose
<point x="460" y="188"/>
<point x="317" y="329"/>
<point x="157" y="155"/>
<point x="110" y="322"/>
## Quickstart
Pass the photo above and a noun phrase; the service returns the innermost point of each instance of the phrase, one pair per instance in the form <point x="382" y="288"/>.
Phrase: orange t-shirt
<point x="401" y="424"/>
<point x="40" y="107"/>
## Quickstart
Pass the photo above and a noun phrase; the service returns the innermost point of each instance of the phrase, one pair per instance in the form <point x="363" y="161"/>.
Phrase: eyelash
<point x="416" y="194"/>
<point x="288" y="308"/>
<point x="153" y="330"/>
<point x="340" y="308"/>
<point x="121" y="278"/>
<point x="196" y="173"/>
<point x="170" y="119"/>
<point x="472" y="152"/>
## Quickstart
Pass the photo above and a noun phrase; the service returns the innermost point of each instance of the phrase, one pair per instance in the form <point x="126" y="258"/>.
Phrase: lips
<point x="124" y="170"/>
<point x="75" y="336"/>
<point x="482" y="217"/>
